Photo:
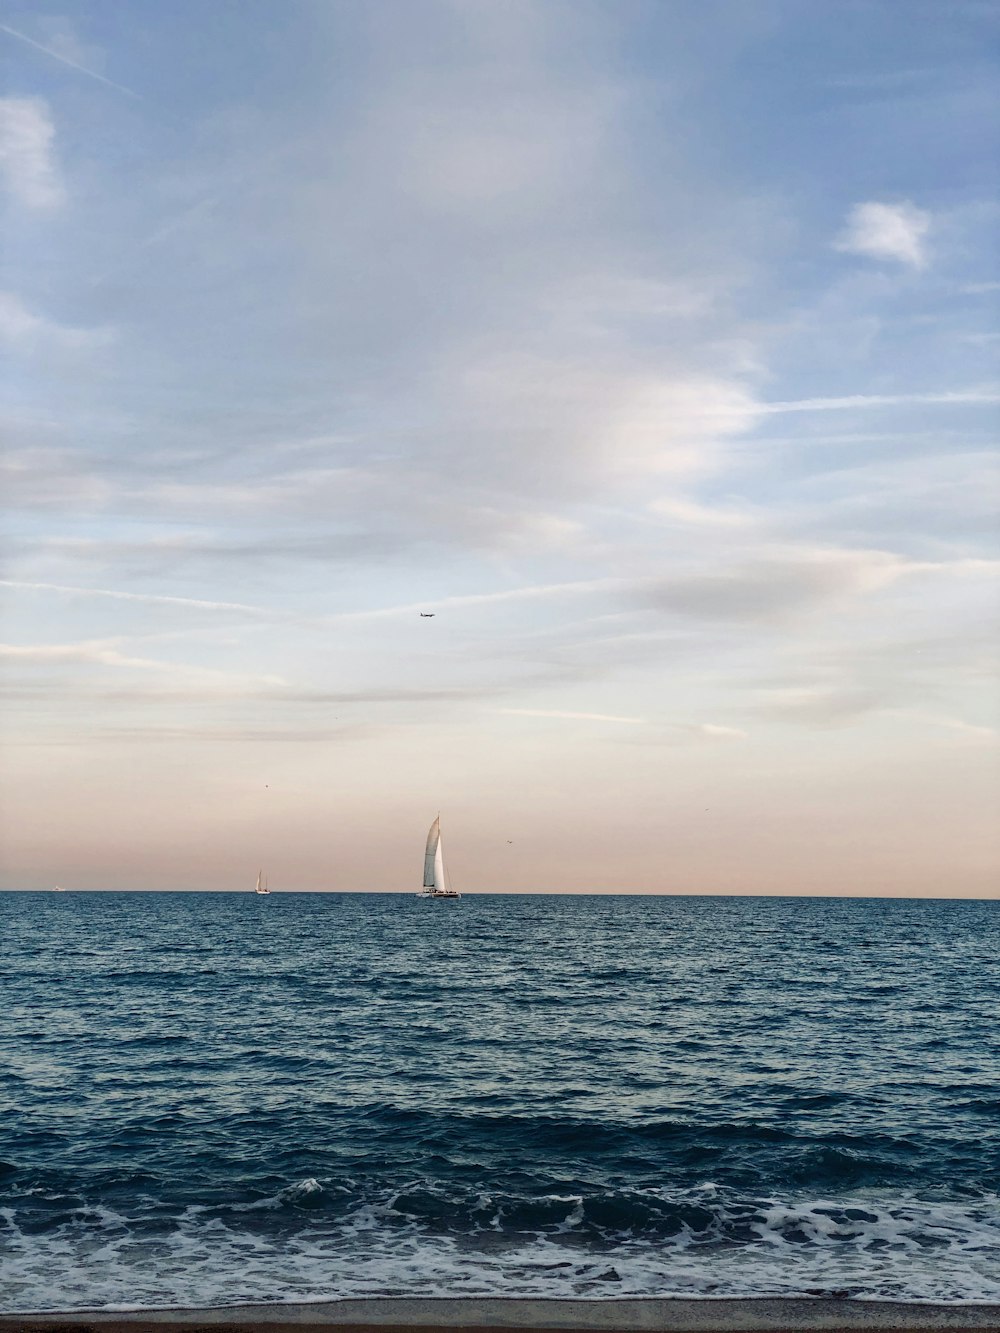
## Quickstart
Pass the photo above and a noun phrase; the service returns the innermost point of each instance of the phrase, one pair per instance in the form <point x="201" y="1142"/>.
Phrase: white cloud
<point x="21" y="326"/>
<point x="886" y="231"/>
<point x="103" y="653"/>
<point x="597" y="301"/>
<point x="499" y="131"/>
<point x="98" y="653"/>
<point x="693" y="514"/>
<point x="16" y="321"/>
<point x="571" y="422"/>
<point x="679" y="424"/>
<point x="773" y="584"/>
<point x="969" y="730"/>
<point x="912" y="498"/>
<point x="26" y="154"/>
<point x="719" y="732"/>
<point x="560" y="713"/>
<point x="673" y="734"/>
<point x="819" y="705"/>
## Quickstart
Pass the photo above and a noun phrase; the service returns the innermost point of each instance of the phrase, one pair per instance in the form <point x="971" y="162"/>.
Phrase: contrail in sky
<point x="877" y="400"/>
<point x="203" y="205"/>
<point x="479" y="598"/>
<point x="469" y="599"/>
<point x="65" y="60"/>
<point x="138" y="597"/>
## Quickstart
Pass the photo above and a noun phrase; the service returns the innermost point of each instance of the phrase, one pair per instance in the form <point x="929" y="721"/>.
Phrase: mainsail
<point x="434" y="858"/>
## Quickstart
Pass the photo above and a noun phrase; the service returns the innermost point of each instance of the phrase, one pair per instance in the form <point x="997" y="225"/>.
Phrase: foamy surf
<point x="908" y="1250"/>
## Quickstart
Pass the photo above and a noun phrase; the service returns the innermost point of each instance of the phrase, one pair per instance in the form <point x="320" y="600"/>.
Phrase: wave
<point x="286" y="1248"/>
<point x="201" y="1146"/>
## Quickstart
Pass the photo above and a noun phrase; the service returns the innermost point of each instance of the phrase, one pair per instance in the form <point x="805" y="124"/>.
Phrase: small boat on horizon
<point x="261" y="887"/>
<point x="435" y="879"/>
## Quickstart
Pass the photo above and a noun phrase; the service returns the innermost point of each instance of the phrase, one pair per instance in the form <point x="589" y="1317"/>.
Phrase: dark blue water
<point x="211" y="1098"/>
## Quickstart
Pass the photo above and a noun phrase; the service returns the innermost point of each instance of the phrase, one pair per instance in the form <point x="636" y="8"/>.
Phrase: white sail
<point x="440" y="882"/>
<point x="258" y="889"/>
<point x="433" y="857"/>
<point x="435" y="879"/>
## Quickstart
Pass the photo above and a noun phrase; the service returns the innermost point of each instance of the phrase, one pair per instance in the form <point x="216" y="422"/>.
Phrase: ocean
<point x="208" y="1099"/>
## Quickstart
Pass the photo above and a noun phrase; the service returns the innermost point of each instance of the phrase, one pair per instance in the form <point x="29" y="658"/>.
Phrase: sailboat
<point x="261" y="888"/>
<point x="435" y="880"/>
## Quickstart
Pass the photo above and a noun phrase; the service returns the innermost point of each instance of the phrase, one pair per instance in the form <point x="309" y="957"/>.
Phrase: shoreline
<point x="493" y="1314"/>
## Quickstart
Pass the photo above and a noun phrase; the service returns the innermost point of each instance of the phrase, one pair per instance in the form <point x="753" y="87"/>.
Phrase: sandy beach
<point x="764" y="1315"/>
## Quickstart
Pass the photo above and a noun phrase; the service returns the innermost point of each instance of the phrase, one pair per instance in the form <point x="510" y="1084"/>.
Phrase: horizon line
<point x="549" y="893"/>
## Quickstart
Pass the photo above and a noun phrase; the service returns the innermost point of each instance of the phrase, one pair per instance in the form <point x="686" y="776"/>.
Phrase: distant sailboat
<point x="261" y="888"/>
<point x="435" y="880"/>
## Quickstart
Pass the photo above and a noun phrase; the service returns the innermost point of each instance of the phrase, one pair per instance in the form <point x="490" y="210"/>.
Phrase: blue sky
<point x="652" y="347"/>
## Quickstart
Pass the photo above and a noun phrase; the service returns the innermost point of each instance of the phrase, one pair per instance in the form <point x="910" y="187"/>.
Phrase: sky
<point x="651" y="347"/>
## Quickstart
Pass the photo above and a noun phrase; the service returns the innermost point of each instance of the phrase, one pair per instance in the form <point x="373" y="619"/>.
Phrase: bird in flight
<point x="428" y="615"/>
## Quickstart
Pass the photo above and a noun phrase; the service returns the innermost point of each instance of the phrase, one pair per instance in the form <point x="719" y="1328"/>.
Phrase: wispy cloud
<point x="104" y="653"/>
<point x="886" y="231"/>
<point x="676" y="734"/>
<point x="718" y="732"/>
<point x="571" y="716"/>
<point x="164" y="733"/>
<point x="691" y="513"/>
<point x="772" y="585"/>
<point x="971" y="731"/>
<point x="820" y="705"/>
<point x="155" y="599"/>
<point x="27" y="159"/>
<point x="22" y="328"/>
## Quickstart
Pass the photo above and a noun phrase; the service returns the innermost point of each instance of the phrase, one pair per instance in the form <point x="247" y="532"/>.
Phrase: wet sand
<point x="496" y="1315"/>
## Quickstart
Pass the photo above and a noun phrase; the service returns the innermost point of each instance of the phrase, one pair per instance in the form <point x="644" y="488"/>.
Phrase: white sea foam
<point x="898" y="1250"/>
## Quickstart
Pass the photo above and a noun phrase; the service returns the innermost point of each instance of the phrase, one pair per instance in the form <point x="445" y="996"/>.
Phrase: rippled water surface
<point x="213" y="1098"/>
